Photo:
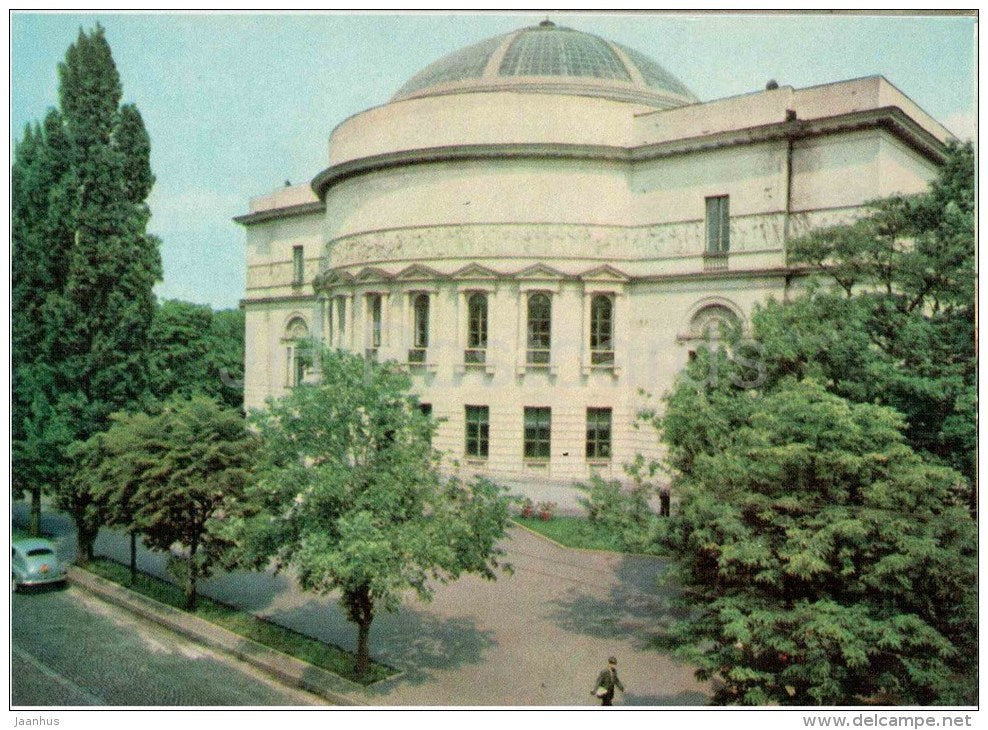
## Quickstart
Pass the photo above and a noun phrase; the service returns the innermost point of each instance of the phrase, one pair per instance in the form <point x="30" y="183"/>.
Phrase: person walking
<point x="607" y="681"/>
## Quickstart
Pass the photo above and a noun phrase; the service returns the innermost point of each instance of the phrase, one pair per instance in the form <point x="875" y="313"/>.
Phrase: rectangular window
<point x="477" y="431"/>
<point x="373" y="325"/>
<point x="298" y="265"/>
<point x="718" y="225"/>
<point x="599" y="433"/>
<point x="420" y="328"/>
<point x="539" y="329"/>
<point x="295" y="366"/>
<point x="538" y="430"/>
<point x="602" y="331"/>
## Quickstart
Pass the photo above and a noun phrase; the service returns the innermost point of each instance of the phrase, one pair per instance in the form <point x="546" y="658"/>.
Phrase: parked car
<point x="34" y="562"/>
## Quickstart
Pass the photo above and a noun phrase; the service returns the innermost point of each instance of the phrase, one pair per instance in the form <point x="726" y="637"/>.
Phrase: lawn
<point x="329" y="657"/>
<point x="574" y="532"/>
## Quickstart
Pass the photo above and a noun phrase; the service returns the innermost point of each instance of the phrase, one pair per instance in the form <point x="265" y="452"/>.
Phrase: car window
<point x="39" y="551"/>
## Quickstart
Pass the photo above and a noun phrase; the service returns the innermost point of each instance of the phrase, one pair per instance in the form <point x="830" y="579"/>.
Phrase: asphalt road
<point x="71" y="649"/>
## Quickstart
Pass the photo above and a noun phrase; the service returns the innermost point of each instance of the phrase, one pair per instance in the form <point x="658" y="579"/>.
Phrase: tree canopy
<point x="83" y="266"/>
<point x="351" y="499"/>
<point x="821" y="535"/>
<point x="174" y="474"/>
<point x="194" y="349"/>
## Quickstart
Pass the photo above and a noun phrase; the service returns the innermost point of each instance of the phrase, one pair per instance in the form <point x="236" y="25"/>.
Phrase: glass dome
<point x="551" y="59"/>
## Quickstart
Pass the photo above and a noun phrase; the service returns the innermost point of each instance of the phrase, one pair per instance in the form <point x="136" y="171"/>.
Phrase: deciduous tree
<point x="351" y="498"/>
<point x="84" y="268"/>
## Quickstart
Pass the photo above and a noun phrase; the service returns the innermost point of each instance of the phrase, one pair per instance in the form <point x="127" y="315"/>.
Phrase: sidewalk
<point x="537" y="637"/>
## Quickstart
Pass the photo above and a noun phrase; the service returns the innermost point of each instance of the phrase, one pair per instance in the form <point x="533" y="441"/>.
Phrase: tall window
<point x="298" y="265"/>
<point x="598" y="433"/>
<point x="601" y="330"/>
<point x="337" y="321"/>
<point x="476" y="351"/>
<point x="420" y="335"/>
<point x="718" y="225"/>
<point x="538" y="431"/>
<point x="374" y="324"/>
<point x="477" y="431"/>
<point x="539" y="329"/>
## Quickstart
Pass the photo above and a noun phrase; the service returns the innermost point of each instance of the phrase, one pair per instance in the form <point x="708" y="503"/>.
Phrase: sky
<point x="237" y="104"/>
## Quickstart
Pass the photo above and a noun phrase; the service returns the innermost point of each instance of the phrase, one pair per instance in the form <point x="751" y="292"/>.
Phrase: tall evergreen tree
<point x="84" y="265"/>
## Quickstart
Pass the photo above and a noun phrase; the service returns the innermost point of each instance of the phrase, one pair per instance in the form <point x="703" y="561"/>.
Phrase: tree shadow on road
<point x="636" y="607"/>
<point x="417" y="642"/>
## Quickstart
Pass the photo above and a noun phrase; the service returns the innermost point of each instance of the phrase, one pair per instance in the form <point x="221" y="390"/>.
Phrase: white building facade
<point x="542" y="226"/>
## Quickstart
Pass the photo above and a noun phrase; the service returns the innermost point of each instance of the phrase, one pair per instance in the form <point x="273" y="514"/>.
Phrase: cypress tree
<point x="84" y="267"/>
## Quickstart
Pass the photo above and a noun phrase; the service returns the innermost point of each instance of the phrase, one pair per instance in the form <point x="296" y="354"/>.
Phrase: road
<point x="68" y="648"/>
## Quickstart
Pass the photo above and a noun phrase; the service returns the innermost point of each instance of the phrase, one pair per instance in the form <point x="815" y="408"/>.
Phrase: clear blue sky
<point x="237" y="104"/>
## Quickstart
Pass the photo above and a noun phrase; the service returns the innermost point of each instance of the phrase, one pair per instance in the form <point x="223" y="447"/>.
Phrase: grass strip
<point x="574" y="532"/>
<point x="328" y="657"/>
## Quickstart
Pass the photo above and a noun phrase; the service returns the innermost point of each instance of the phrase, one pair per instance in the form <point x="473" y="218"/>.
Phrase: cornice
<point x="891" y="118"/>
<point x="291" y="211"/>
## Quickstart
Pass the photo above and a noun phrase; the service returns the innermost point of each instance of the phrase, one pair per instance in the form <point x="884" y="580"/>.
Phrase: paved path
<point x="537" y="637"/>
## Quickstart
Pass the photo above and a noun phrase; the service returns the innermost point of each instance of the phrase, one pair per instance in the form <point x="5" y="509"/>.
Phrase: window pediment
<point x="541" y="272"/>
<point x="476" y="271"/>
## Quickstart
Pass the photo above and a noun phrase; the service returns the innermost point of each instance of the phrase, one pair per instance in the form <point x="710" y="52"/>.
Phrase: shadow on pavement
<point x="411" y="640"/>
<point x="636" y="606"/>
<point x="418" y="642"/>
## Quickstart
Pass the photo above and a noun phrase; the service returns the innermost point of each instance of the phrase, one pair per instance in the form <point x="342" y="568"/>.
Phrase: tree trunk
<point x="361" y="612"/>
<point x="34" y="522"/>
<point x="363" y="650"/>
<point x="133" y="558"/>
<point x="84" y="546"/>
<point x="190" y="585"/>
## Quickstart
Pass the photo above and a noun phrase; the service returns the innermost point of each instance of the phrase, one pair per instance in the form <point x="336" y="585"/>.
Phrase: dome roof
<point x="550" y="59"/>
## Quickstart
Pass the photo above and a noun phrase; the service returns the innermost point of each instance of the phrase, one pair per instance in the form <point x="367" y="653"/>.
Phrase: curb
<point x="286" y="669"/>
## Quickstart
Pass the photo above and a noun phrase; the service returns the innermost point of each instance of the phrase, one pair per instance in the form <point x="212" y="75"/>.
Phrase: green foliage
<point x="194" y="350"/>
<point x="351" y="498"/>
<point x="821" y="536"/>
<point x="279" y="638"/>
<point x="904" y="333"/>
<point x="622" y="514"/>
<point x="83" y="266"/>
<point x="827" y="562"/>
<point x="175" y="475"/>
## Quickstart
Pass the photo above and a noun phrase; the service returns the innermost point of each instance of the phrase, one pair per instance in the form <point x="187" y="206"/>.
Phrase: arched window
<point x="602" y="330"/>
<point x="476" y="351"/>
<point x="714" y="324"/>
<point x="539" y="328"/>
<point x="296" y="352"/>
<point x="420" y="328"/>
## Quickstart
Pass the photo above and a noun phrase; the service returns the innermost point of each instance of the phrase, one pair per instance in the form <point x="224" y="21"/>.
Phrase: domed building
<point x="546" y="224"/>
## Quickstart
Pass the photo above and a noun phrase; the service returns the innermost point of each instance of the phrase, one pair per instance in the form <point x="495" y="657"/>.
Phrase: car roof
<point x="32" y="543"/>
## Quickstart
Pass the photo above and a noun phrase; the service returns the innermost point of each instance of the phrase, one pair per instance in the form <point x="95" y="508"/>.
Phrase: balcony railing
<point x="538" y="358"/>
<point x="602" y="358"/>
<point x="416" y="355"/>
<point x="715" y="261"/>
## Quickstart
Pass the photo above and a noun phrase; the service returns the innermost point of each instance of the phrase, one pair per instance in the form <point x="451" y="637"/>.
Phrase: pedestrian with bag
<point x="607" y="681"/>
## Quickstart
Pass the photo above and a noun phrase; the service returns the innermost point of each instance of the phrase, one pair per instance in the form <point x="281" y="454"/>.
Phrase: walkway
<point x="536" y="637"/>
